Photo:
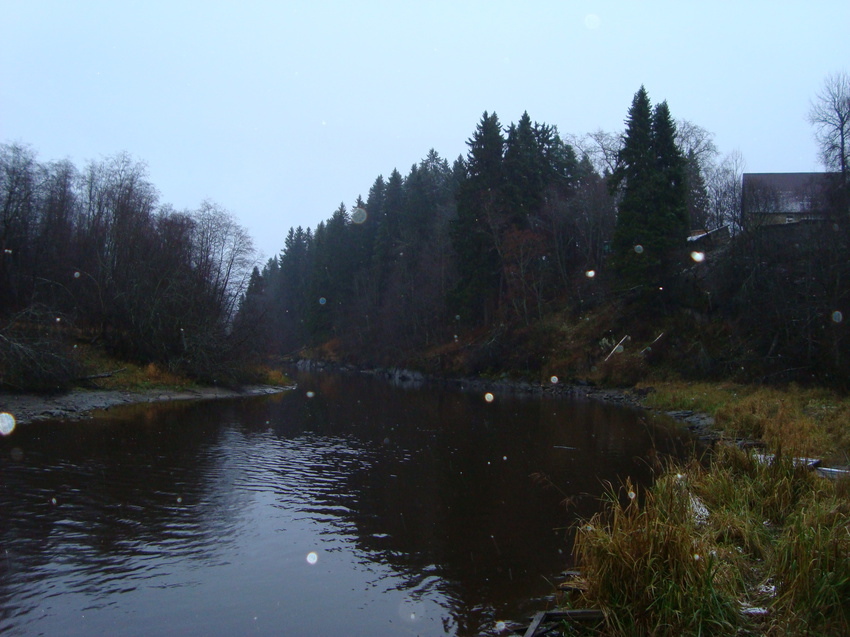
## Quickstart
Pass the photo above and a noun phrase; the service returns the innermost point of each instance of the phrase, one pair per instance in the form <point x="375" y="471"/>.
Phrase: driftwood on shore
<point x="541" y="623"/>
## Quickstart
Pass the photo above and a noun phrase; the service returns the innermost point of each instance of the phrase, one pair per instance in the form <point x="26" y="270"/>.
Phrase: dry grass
<point x="127" y="376"/>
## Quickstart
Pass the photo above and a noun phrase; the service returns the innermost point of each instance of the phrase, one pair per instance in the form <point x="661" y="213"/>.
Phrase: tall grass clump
<point x="812" y="566"/>
<point x="741" y="542"/>
<point x="649" y="568"/>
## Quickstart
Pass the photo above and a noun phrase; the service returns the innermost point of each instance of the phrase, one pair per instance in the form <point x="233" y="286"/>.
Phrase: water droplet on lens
<point x="53" y="501"/>
<point x="359" y="215"/>
<point x="489" y="397"/>
<point x="639" y="249"/>
<point x="312" y="558"/>
<point x="501" y="626"/>
<point x="837" y="316"/>
<point x="699" y="257"/>
<point x="76" y="275"/>
<point x="554" y="380"/>
<point x="310" y="394"/>
<point x="7" y="424"/>
<point x="322" y="300"/>
<point x="590" y="274"/>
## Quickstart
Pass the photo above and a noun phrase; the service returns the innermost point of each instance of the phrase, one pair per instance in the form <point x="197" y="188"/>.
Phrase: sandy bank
<point x="79" y="403"/>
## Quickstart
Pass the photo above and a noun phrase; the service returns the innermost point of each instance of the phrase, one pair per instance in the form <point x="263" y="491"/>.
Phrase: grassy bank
<point x="802" y="421"/>
<point x="730" y="544"/>
<point x="106" y="372"/>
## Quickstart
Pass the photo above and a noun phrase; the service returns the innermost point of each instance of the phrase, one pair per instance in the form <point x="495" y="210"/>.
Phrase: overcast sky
<point x="278" y="111"/>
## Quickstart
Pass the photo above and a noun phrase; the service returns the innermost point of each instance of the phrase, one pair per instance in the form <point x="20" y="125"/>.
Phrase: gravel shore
<point x="80" y="403"/>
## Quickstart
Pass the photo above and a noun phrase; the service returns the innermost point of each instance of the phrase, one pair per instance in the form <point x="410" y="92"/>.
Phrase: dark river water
<point x="344" y="507"/>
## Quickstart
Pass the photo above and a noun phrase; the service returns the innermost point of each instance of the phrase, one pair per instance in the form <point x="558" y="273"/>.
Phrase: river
<point x="346" y="506"/>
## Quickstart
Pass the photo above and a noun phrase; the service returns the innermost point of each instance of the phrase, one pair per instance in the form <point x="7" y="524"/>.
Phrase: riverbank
<point x="82" y="403"/>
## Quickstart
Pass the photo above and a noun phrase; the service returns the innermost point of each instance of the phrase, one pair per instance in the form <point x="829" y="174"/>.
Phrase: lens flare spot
<point x="837" y="317"/>
<point x="411" y="610"/>
<point x="312" y="558"/>
<point x="322" y="300"/>
<point x="592" y="21"/>
<point x="76" y="275"/>
<point x="639" y="249"/>
<point x="632" y="495"/>
<point x="699" y="257"/>
<point x="501" y="626"/>
<point x="310" y="394"/>
<point x="7" y="424"/>
<point x="554" y="380"/>
<point x="489" y="397"/>
<point x="590" y="274"/>
<point x="359" y="215"/>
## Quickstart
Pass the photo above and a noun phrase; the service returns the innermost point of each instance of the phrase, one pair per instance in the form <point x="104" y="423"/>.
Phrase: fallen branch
<point x="615" y="347"/>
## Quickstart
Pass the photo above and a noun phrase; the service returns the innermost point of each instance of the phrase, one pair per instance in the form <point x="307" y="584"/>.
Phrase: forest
<point x="536" y="253"/>
<point x="90" y="257"/>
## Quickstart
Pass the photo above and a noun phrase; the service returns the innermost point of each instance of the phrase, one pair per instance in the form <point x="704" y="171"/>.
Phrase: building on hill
<point x="769" y="199"/>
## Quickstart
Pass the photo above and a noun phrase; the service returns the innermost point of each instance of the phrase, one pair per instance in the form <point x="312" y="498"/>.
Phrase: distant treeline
<point x="91" y="256"/>
<point x="527" y="224"/>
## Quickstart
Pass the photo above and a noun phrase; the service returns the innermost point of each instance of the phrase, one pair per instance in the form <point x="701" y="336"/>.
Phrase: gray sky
<point x="278" y="111"/>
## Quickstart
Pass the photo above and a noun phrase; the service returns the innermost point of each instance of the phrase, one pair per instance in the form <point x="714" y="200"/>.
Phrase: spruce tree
<point x="480" y="217"/>
<point x="652" y="222"/>
<point x="671" y="212"/>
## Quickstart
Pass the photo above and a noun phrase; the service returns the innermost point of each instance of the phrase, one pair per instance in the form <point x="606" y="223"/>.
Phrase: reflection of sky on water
<point x="362" y="510"/>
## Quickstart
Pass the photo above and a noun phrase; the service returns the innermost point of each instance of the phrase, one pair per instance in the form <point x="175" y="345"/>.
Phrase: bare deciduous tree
<point x="830" y="115"/>
<point x="724" y="191"/>
<point x="695" y="141"/>
<point x="601" y="148"/>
